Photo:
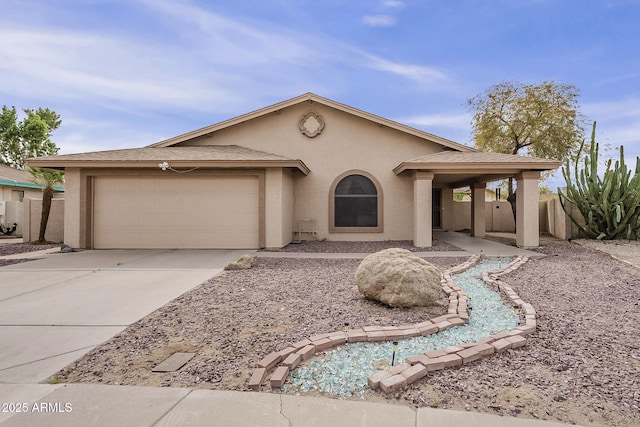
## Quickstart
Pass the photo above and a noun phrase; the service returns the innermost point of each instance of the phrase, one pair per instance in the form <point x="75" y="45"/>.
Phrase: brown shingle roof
<point x="12" y="174"/>
<point x="476" y="160"/>
<point x="208" y="152"/>
<point x="19" y="178"/>
<point x="201" y="155"/>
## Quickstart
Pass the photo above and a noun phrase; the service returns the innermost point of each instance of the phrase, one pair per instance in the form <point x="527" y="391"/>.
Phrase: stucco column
<point x="447" y="221"/>
<point x="422" y="215"/>
<point x="478" y="220"/>
<point x="527" y="222"/>
<point x="74" y="214"/>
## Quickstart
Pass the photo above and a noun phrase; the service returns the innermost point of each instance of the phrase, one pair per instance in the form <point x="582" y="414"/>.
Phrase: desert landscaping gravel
<point x="583" y="363"/>
<point x="582" y="366"/>
<point x="20" y="248"/>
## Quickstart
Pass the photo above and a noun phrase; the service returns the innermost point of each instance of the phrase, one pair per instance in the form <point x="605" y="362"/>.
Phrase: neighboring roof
<point x="225" y="156"/>
<point x="457" y="161"/>
<point x="18" y="178"/>
<point x="313" y="98"/>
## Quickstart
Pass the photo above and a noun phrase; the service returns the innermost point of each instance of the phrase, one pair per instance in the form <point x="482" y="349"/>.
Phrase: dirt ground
<point x="582" y="366"/>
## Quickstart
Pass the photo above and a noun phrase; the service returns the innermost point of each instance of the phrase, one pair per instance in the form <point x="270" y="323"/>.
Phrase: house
<point x="253" y="180"/>
<point x="16" y="186"/>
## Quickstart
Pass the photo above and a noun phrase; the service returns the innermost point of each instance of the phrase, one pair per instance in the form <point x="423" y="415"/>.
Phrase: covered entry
<point x="450" y="169"/>
<point x="175" y="212"/>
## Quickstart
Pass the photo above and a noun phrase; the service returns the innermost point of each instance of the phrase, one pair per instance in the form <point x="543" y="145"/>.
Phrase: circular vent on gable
<point x="311" y="124"/>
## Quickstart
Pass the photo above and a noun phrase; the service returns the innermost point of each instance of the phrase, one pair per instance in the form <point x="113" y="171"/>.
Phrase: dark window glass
<point x="356" y="202"/>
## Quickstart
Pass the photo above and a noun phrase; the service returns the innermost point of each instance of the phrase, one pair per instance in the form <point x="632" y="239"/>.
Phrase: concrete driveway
<point x="54" y="310"/>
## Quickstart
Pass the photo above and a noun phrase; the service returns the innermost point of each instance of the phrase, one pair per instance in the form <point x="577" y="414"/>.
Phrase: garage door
<point x="175" y="212"/>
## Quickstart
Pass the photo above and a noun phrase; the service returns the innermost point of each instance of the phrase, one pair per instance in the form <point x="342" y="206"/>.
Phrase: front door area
<point x="436" y="206"/>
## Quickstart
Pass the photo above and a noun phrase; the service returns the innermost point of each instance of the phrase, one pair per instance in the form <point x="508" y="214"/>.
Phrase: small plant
<point x="609" y="205"/>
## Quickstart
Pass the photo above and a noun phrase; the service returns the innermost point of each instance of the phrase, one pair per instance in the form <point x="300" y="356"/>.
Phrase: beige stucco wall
<point x="278" y="207"/>
<point x="559" y="223"/>
<point x="288" y="204"/>
<point x="499" y="217"/>
<point x="7" y="193"/>
<point x="32" y="214"/>
<point x="346" y="143"/>
<point x="73" y="211"/>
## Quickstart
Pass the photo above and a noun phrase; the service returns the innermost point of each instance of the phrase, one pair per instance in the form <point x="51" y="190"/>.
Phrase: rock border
<point x="280" y="363"/>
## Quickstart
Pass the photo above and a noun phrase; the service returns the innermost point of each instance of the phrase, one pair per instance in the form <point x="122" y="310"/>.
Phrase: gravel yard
<point x="583" y="363"/>
<point x="581" y="366"/>
<point x="20" y="248"/>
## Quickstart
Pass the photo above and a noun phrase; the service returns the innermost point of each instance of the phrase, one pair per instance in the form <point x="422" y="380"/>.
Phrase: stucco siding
<point x="287" y="207"/>
<point x="278" y="207"/>
<point x="346" y="143"/>
<point x="73" y="213"/>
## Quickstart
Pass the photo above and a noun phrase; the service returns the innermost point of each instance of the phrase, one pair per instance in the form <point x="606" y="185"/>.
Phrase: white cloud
<point x="77" y="65"/>
<point x="379" y="20"/>
<point x="393" y="4"/>
<point x="194" y="63"/>
<point x="455" y="120"/>
<point x="618" y="123"/>
<point x="419" y="73"/>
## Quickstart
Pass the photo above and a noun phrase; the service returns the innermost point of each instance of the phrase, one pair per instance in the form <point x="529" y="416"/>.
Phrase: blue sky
<point x="128" y="73"/>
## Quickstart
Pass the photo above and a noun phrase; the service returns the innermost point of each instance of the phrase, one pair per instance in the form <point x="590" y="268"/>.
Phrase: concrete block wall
<point x="498" y="216"/>
<point x="32" y="212"/>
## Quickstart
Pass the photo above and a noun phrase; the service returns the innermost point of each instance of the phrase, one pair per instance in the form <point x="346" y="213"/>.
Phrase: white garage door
<point x="175" y="212"/>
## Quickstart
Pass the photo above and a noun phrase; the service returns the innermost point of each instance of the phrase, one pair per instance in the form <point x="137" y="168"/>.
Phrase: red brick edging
<point x="414" y="367"/>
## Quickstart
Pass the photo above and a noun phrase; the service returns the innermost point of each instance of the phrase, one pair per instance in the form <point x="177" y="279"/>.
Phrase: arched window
<point x="355" y="203"/>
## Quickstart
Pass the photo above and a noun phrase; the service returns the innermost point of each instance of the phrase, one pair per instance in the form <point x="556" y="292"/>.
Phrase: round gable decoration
<point x="311" y="124"/>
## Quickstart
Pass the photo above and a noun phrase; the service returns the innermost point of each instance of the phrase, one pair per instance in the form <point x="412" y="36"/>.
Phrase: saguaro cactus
<point x="610" y="205"/>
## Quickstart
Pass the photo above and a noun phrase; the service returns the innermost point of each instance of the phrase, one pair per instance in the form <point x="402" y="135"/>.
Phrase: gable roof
<point x="227" y="156"/>
<point x="18" y="178"/>
<point x="311" y="97"/>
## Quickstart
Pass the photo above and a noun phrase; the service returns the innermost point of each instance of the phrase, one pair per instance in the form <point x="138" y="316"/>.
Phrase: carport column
<point x="422" y="213"/>
<point x="478" y="221"/>
<point x="527" y="196"/>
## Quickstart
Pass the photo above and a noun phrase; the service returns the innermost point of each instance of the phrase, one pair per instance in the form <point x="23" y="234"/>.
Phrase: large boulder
<point x="398" y="278"/>
<point x="243" y="263"/>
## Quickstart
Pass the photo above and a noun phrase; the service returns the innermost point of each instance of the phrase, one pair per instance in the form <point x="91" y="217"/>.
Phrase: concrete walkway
<point x="36" y="300"/>
<point x="468" y="245"/>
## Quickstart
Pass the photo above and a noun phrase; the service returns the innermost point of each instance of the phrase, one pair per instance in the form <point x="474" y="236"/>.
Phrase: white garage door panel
<point x="176" y="212"/>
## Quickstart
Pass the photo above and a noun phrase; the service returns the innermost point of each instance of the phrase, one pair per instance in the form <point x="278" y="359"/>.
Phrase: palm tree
<point x="48" y="178"/>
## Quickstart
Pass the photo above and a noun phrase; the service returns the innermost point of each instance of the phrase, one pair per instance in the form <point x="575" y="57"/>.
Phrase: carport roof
<point x="218" y="156"/>
<point x="464" y="168"/>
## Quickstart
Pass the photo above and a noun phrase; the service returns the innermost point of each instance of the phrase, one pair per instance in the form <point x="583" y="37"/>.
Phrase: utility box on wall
<point x="11" y="214"/>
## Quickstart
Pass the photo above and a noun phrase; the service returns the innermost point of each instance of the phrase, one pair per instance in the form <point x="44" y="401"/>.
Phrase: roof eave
<point x="153" y="164"/>
<point x="20" y="184"/>
<point x="496" y="167"/>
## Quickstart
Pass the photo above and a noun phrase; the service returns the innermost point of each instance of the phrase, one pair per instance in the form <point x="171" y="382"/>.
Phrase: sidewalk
<point x="107" y="405"/>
